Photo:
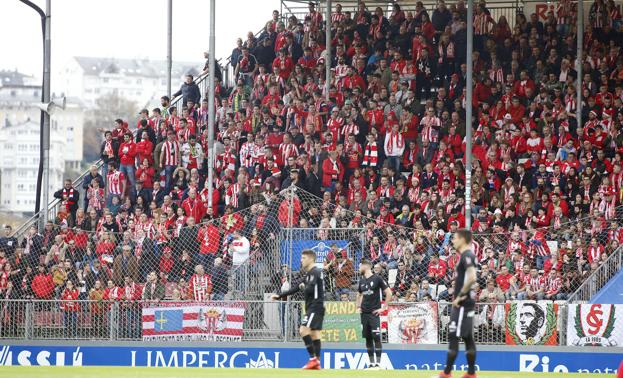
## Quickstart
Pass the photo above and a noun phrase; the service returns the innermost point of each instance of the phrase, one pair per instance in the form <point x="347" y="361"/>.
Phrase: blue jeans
<point x="105" y="173"/>
<point x="394" y="162"/>
<point x="128" y="171"/>
<point x="168" y="174"/>
<point x="70" y="322"/>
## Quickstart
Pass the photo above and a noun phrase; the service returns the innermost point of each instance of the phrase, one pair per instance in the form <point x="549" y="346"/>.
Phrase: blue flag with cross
<point x="168" y="320"/>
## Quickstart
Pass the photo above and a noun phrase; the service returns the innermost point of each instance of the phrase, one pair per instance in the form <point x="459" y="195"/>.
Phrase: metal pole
<point x="169" y="45"/>
<point x="290" y="304"/>
<point x="580" y="46"/>
<point x="468" y="115"/>
<point x="211" y="104"/>
<point x="328" y="47"/>
<point x="47" y="54"/>
<point x="41" y="121"/>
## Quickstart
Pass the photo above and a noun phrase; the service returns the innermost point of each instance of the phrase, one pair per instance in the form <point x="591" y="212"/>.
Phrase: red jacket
<point x="283" y="214"/>
<point x="330" y="173"/>
<point x="132" y="292"/>
<point x="145" y="149"/>
<point x="437" y="270"/>
<point x="209" y="238"/>
<point x="504" y="281"/>
<point x="43" y="286"/>
<point x="285" y="66"/>
<point x="194" y="208"/>
<point x="70" y="296"/>
<point x="127" y="153"/>
<point x="146" y="176"/>
<point x="166" y="264"/>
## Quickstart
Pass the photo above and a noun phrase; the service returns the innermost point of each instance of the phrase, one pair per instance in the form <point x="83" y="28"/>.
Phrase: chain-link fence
<point x="407" y="322"/>
<point x="108" y="267"/>
<point x="245" y="254"/>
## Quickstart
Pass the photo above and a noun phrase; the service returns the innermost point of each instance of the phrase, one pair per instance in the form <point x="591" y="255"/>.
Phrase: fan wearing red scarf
<point x="394" y="146"/>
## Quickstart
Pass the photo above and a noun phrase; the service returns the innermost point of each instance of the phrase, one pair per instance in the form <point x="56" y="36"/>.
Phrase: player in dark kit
<point x="313" y="290"/>
<point x="462" y="315"/>
<point x="371" y="290"/>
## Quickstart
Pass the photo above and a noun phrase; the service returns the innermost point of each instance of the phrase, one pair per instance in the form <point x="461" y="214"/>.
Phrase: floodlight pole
<point x="211" y="62"/>
<point x="468" y="114"/>
<point x="327" y="62"/>
<point x="43" y="188"/>
<point x="169" y="45"/>
<point x="47" y="59"/>
<point x="580" y="53"/>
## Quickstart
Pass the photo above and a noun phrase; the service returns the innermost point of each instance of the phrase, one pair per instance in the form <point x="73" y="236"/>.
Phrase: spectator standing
<point x="154" y="289"/>
<point x="125" y="265"/>
<point x="8" y="242"/>
<point x="70" y="309"/>
<point x="33" y="246"/>
<point x="42" y="284"/>
<point x="97" y="307"/>
<point x="220" y="278"/>
<point x="69" y="197"/>
<point x="108" y="152"/>
<point x="189" y="91"/>
<point x="127" y="159"/>
<point x="88" y="181"/>
<point x="343" y="272"/>
<point x="403" y="280"/>
<point x="170" y="159"/>
<point x="200" y="285"/>
<point x="130" y="320"/>
<point x="116" y="183"/>
<point x="239" y="249"/>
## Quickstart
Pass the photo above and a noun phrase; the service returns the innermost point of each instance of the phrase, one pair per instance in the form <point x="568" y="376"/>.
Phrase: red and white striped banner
<point x="211" y="321"/>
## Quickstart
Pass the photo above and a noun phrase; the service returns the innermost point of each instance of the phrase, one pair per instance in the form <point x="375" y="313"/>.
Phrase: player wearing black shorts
<point x="369" y="298"/>
<point x="312" y="286"/>
<point x="462" y="315"/>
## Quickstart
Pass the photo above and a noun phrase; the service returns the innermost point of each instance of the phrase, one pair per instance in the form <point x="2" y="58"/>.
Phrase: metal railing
<point x="599" y="277"/>
<point x="264" y="320"/>
<point x="299" y="8"/>
<point x="52" y="207"/>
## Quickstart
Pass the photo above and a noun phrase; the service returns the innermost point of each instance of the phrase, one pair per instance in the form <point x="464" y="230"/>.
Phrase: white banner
<point x="413" y="323"/>
<point x="595" y="325"/>
<point x="211" y="321"/>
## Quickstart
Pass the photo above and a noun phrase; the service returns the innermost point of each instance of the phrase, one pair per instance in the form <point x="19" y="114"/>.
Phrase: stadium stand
<point x="381" y="162"/>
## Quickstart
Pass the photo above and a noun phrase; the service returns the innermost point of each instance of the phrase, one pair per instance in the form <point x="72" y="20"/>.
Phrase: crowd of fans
<point x="385" y="153"/>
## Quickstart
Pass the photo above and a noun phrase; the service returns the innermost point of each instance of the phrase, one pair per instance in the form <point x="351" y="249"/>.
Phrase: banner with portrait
<point x="531" y="323"/>
<point x="595" y="325"/>
<point x="414" y="323"/>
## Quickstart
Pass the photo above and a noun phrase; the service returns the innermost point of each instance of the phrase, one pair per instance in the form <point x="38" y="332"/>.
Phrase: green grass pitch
<point x="126" y="372"/>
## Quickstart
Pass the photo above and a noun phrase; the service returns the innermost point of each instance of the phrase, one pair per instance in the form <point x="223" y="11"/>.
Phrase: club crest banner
<point x="595" y="325"/>
<point x="413" y="324"/>
<point x="212" y="321"/>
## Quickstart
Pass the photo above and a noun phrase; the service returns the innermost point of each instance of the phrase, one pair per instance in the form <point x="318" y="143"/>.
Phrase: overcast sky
<point x="124" y="29"/>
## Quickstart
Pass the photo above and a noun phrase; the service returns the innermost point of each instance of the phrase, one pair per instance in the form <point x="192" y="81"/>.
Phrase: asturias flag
<point x="168" y="320"/>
